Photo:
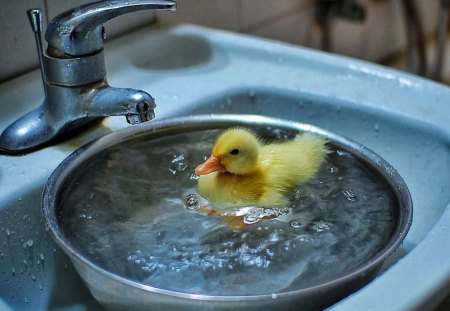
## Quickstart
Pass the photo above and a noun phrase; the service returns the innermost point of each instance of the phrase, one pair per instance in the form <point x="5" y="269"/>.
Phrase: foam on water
<point x="135" y="211"/>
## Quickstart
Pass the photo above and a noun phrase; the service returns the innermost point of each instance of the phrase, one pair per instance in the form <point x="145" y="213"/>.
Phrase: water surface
<point x="127" y="212"/>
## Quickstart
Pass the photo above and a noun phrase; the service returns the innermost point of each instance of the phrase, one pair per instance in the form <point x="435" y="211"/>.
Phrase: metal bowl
<point x="117" y="292"/>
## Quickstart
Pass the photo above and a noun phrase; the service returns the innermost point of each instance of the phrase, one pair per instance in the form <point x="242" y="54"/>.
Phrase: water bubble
<point x="350" y="195"/>
<point x="181" y="166"/>
<point x="191" y="203"/>
<point x="86" y="216"/>
<point x="251" y="218"/>
<point x="296" y="223"/>
<point x="178" y="158"/>
<point x="284" y="211"/>
<point x="332" y="169"/>
<point x="298" y="194"/>
<point x="269" y="212"/>
<point x="194" y="177"/>
<point x="320" y="226"/>
<point x="178" y="164"/>
<point x="274" y="296"/>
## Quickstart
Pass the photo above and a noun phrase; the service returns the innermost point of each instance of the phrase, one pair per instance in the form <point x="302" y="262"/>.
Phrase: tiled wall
<point x="382" y="33"/>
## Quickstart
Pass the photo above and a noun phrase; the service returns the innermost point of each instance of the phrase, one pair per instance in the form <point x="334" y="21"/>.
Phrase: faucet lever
<point x="79" y="31"/>
<point x="35" y="18"/>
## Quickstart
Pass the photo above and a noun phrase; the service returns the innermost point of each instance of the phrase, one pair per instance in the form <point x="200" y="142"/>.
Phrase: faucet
<point x="74" y="76"/>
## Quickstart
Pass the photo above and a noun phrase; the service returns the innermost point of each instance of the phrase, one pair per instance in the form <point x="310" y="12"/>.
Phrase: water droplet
<point x="178" y="164"/>
<point x="194" y="177"/>
<point x="376" y="127"/>
<point x="181" y="166"/>
<point x="26" y="300"/>
<point x="28" y="243"/>
<point x="332" y="169"/>
<point x="86" y="216"/>
<point x="320" y="226"/>
<point x="177" y="158"/>
<point x="350" y="195"/>
<point x="191" y="203"/>
<point x="296" y="223"/>
<point x="13" y="271"/>
<point x="172" y="171"/>
<point x="8" y="232"/>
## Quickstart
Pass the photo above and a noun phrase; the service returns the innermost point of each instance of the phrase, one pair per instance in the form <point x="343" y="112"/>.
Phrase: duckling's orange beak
<point x="211" y="165"/>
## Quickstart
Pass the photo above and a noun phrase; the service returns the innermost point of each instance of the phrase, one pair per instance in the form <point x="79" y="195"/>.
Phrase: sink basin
<point x="403" y="118"/>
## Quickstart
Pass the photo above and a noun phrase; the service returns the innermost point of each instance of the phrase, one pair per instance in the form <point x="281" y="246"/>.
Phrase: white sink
<point x="193" y="70"/>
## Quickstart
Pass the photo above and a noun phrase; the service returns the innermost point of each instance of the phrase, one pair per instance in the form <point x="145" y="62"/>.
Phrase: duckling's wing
<point x="291" y="163"/>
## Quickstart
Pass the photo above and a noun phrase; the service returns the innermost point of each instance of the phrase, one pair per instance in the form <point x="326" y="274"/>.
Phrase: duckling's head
<point x="235" y="151"/>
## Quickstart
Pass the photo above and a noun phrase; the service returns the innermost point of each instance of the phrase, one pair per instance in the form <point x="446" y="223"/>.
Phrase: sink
<point x="403" y="118"/>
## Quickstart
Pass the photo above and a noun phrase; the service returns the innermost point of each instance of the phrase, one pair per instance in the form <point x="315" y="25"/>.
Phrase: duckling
<point x="244" y="171"/>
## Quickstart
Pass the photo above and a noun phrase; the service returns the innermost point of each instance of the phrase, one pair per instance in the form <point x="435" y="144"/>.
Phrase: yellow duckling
<point x="243" y="171"/>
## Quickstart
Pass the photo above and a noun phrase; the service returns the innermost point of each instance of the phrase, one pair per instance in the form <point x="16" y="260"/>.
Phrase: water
<point x="135" y="211"/>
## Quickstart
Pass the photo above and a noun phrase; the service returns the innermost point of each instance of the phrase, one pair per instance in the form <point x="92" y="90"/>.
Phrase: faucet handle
<point x="79" y="31"/>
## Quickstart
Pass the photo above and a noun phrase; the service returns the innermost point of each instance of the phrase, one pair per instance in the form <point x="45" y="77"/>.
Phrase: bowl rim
<point x="217" y="121"/>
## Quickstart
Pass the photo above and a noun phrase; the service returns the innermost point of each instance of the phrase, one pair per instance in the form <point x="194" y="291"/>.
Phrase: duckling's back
<point x="292" y="163"/>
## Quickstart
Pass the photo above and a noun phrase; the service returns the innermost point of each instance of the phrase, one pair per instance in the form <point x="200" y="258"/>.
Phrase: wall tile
<point x="296" y="28"/>
<point x="256" y="13"/>
<point x="223" y="14"/>
<point x="17" y="46"/>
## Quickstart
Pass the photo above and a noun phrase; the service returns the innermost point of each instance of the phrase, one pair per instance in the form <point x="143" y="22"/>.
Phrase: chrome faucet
<point x="74" y="76"/>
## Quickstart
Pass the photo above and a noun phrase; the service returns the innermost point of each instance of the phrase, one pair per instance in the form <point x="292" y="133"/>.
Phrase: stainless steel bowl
<point x="117" y="292"/>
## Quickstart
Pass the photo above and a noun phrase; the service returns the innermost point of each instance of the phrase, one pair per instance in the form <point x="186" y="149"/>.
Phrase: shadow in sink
<point x="172" y="52"/>
<point x="419" y="151"/>
<point x="34" y="272"/>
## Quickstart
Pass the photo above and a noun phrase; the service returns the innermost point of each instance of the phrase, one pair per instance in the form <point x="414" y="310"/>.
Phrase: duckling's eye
<point x="234" y="152"/>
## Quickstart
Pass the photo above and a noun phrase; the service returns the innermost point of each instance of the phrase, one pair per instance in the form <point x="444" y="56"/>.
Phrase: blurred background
<point x="409" y="35"/>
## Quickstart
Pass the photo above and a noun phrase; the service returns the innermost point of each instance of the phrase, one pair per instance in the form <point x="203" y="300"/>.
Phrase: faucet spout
<point x="137" y="106"/>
